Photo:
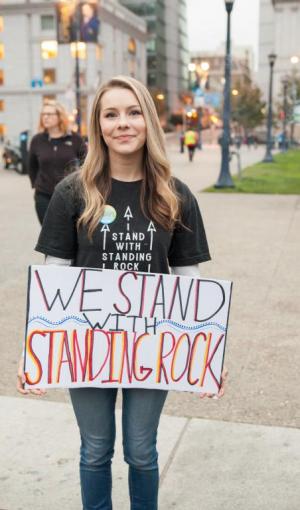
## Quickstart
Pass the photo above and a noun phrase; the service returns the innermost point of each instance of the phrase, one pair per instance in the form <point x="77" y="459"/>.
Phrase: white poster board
<point x="107" y="328"/>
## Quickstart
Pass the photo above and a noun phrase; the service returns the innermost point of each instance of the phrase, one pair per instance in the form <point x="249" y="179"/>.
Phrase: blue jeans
<point x="95" y="413"/>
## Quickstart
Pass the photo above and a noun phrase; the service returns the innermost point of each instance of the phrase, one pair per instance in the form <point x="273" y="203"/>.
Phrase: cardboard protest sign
<point x="107" y="328"/>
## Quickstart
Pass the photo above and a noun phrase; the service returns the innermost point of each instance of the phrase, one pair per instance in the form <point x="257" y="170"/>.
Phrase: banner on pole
<point x="107" y="328"/>
<point x="77" y="22"/>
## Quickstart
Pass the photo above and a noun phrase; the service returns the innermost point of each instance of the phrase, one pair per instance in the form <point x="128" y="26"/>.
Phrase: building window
<point x="81" y="50"/>
<point x="49" y="76"/>
<point x="1" y="24"/>
<point x="47" y="22"/>
<point x="49" y="49"/>
<point x="2" y="105"/>
<point x="2" y="130"/>
<point x="99" y="52"/>
<point x="1" y="77"/>
<point x="151" y="45"/>
<point x="1" y="51"/>
<point x="132" y="46"/>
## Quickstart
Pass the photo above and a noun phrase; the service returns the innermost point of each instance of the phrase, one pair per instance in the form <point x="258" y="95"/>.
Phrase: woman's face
<point x="121" y="121"/>
<point x="50" y="118"/>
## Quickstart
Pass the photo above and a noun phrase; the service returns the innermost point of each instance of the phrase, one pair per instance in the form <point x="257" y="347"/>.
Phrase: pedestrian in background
<point x="54" y="152"/>
<point x="191" y="141"/>
<point x="126" y="168"/>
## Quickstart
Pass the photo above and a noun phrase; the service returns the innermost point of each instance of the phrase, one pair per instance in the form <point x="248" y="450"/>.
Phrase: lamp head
<point x="229" y="5"/>
<point x="272" y="57"/>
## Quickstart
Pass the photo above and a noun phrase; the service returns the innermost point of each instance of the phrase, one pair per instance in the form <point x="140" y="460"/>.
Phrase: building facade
<point x="167" y="49"/>
<point x="207" y="75"/>
<point x="278" y="33"/>
<point x="34" y="67"/>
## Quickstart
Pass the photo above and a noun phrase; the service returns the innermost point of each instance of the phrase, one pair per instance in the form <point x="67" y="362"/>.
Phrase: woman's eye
<point x="109" y="115"/>
<point x="135" y="112"/>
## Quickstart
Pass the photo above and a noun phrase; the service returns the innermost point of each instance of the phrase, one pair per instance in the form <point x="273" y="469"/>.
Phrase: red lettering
<point x="161" y="356"/>
<point x="35" y="359"/>
<point x="123" y="293"/>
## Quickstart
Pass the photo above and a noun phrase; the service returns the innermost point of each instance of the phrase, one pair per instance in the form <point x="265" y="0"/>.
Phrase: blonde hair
<point x="158" y="199"/>
<point x="63" y="121"/>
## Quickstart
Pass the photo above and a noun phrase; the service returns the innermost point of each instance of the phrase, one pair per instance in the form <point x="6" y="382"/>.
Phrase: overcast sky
<point x="207" y="23"/>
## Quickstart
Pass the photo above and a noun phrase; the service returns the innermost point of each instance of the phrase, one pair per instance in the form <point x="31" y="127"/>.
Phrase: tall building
<point x="34" y="67"/>
<point x="208" y="75"/>
<point x="278" y="33"/>
<point x="167" y="48"/>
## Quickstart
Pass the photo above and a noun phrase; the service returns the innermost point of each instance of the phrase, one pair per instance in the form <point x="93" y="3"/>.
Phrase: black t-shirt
<point x="51" y="159"/>
<point x="124" y="238"/>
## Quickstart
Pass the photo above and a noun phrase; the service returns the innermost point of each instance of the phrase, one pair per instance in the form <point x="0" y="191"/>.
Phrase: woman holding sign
<point x="122" y="211"/>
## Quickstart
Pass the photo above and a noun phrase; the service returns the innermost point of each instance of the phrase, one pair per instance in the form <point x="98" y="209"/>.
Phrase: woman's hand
<point x="21" y="381"/>
<point x="221" y="391"/>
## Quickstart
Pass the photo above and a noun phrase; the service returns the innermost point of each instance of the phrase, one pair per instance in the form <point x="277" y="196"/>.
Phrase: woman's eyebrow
<point x="127" y="108"/>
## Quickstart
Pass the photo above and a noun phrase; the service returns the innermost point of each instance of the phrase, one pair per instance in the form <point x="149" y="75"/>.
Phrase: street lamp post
<point x="268" y="157"/>
<point x="285" y="84"/>
<point x="76" y="30"/>
<point x="294" y="61"/>
<point x="225" y="180"/>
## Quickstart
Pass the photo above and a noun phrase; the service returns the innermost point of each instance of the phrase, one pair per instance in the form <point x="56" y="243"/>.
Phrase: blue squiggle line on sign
<point x="44" y="321"/>
<point x="192" y="328"/>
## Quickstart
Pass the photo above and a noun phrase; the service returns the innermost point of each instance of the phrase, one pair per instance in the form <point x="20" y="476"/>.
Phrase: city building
<point x="278" y="33"/>
<point x="207" y="74"/>
<point x="35" y="67"/>
<point x="167" y="49"/>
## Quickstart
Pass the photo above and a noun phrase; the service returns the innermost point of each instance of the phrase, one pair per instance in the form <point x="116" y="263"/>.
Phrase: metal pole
<point x="77" y="69"/>
<point x="225" y="180"/>
<point x="268" y="157"/>
<point x="294" y="97"/>
<point x="284" y="123"/>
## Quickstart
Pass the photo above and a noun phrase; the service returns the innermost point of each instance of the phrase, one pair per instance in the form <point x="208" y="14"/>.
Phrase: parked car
<point x="12" y="157"/>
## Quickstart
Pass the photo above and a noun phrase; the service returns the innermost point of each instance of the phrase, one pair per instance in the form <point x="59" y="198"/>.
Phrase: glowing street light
<point x="205" y="66"/>
<point x="192" y="67"/>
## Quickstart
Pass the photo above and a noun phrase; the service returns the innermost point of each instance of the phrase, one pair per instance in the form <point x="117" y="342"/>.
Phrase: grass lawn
<point x="281" y="177"/>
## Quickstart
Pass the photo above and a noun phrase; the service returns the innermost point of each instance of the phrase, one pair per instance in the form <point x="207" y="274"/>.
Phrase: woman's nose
<point x="123" y="120"/>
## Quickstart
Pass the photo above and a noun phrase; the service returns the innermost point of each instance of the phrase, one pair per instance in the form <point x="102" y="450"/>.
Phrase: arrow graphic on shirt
<point x="105" y="229"/>
<point x="151" y="228"/>
<point x="128" y="215"/>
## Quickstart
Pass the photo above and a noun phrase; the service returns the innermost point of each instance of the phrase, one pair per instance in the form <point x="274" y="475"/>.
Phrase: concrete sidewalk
<point x="204" y="463"/>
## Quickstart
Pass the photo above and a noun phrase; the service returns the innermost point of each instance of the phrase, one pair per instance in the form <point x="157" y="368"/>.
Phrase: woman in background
<point x="54" y="152"/>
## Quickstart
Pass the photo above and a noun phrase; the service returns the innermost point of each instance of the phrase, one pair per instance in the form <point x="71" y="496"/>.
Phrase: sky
<point x="207" y="24"/>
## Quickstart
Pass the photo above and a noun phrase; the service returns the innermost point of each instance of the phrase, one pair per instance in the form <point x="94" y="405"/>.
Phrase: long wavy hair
<point x="158" y="197"/>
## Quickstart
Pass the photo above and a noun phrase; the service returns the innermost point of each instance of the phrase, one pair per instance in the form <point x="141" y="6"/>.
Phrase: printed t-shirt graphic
<point x="130" y="246"/>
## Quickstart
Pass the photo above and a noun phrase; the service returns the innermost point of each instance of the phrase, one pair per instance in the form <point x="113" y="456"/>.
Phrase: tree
<point x="248" y="108"/>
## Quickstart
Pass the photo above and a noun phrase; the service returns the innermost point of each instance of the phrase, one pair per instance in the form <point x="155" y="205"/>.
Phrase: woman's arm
<point x="33" y="164"/>
<point x="56" y="261"/>
<point x="186" y="270"/>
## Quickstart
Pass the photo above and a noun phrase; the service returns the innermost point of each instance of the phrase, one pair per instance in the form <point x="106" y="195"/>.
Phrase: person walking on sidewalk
<point x="125" y="180"/>
<point x="54" y="152"/>
<point x="191" y="141"/>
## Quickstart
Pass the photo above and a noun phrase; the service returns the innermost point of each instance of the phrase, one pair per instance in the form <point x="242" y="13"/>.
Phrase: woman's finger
<point x="20" y="386"/>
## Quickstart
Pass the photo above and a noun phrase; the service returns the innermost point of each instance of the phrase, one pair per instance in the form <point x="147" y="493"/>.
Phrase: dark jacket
<point x="51" y="159"/>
